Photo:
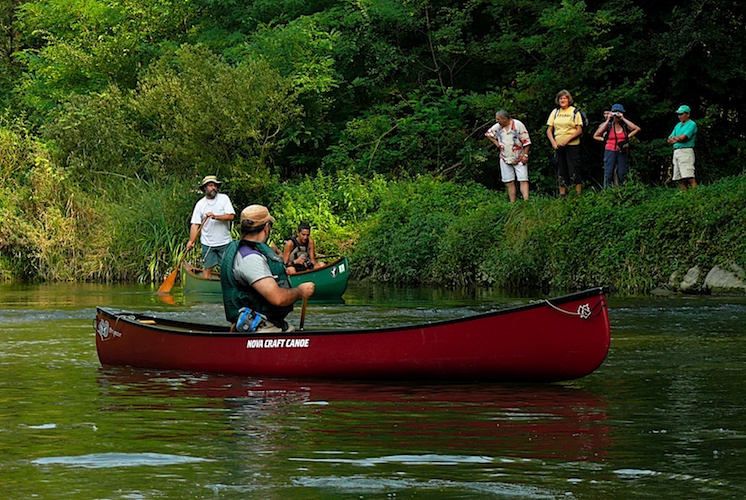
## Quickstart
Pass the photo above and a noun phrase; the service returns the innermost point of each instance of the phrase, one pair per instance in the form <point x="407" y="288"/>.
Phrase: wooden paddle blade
<point x="303" y="314"/>
<point x="168" y="284"/>
<point x="171" y="279"/>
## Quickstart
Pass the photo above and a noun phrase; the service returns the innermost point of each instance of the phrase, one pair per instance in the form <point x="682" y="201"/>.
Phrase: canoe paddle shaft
<point x="303" y="313"/>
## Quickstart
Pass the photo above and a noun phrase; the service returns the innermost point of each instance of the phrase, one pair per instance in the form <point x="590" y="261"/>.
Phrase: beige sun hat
<point x="208" y="179"/>
<point x="256" y="215"/>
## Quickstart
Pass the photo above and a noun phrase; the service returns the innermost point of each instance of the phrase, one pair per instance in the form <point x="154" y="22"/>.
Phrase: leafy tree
<point x="191" y="113"/>
<point x="369" y="60"/>
<point x="77" y="47"/>
<point x="9" y="44"/>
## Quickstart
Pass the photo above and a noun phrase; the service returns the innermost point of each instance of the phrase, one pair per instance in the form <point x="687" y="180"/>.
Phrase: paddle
<point x="168" y="284"/>
<point x="303" y="313"/>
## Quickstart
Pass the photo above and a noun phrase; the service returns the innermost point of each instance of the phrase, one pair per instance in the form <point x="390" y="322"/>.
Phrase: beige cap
<point x="256" y="214"/>
<point x="208" y="179"/>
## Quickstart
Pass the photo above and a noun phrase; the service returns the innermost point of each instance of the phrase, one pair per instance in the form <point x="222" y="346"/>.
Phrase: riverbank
<point x="633" y="240"/>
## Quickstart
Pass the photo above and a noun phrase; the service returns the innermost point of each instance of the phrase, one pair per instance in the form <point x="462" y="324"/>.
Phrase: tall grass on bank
<point x="49" y="230"/>
<point x="336" y="206"/>
<point x="150" y="227"/>
<point x="629" y="240"/>
<point x="415" y="231"/>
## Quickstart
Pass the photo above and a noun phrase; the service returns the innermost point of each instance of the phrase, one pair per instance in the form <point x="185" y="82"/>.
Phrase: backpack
<point x="583" y="117"/>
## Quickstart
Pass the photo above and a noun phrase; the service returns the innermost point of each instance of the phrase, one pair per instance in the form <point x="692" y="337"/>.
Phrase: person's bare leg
<point x="524" y="189"/>
<point x="511" y="191"/>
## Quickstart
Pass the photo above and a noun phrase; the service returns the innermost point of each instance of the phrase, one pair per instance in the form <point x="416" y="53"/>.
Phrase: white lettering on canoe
<point x="105" y="331"/>
<point x="277" y="343"/>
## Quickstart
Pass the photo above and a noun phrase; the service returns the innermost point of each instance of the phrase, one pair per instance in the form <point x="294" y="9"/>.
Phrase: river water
<point x="664" y="416"/>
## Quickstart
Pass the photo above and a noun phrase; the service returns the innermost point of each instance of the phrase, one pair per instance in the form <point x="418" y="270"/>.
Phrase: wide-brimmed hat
<point x="683" y="109"/>
<point x="208" y="179"/>
<point x="618" y="107"/>
<point x="256" y="215"/>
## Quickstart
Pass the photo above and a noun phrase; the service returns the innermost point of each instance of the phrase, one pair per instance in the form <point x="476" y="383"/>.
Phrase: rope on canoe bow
<point x="584" y="310"/>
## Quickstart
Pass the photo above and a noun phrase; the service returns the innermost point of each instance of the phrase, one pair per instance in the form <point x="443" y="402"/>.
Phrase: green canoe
<point x="331" y="280"/>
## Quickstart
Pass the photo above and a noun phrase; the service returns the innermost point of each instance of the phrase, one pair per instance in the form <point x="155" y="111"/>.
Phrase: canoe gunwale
<point x="178" y="327"/>
<point x="330" y="280"/>
<point x="194" y="271"/>
<point x="317" y="269"/>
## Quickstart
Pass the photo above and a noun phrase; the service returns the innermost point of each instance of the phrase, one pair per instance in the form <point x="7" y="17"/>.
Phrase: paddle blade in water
<point x="168" y="284"/>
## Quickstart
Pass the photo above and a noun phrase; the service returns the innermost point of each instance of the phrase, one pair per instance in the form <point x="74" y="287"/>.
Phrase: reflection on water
<point x="662" y="417"/>
<point x="562" y="422"/>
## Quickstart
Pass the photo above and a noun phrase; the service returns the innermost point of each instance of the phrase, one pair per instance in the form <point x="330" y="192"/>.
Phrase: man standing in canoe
<point x="254" y="279"/>
<point x="214" y="213"/>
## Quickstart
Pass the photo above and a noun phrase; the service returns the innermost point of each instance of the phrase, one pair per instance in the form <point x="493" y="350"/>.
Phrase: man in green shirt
<point x="682" y="138"/>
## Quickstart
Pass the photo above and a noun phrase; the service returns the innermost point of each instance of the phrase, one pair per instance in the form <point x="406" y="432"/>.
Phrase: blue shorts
<point x="213" y="256"/>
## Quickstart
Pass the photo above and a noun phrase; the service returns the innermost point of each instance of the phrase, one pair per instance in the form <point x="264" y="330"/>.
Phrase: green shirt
<point x="687" y="128"/>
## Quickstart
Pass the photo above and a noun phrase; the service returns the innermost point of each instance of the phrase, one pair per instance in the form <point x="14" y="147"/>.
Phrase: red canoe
<point x="550" y="340"/>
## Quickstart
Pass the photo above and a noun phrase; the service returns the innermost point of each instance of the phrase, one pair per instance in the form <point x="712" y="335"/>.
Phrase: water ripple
<point x="429" y="459"/>
<point x="111" y="460"/>
<point x="362" y="484"/>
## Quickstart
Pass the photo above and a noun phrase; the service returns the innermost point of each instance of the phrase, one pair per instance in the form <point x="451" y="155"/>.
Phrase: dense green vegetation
<point x="630" y="240"/>
<point x="367" y="119"/>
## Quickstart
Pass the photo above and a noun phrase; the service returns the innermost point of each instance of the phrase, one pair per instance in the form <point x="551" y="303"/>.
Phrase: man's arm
<point x="224" y="217"/>
<point x="286" y="252"/>
<point x="312" y="251"/>
<point x="677" y="138"/>
<point x="193" y="229"/>
<point x="278" y="296"/>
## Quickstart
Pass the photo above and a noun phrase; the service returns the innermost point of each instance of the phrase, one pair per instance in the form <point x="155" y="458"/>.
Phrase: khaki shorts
<point x="510" y="173"/>
<point x="683" y="164"/>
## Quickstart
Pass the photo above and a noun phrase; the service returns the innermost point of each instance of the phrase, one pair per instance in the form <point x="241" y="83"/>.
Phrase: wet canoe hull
<point x="558" y="339"/>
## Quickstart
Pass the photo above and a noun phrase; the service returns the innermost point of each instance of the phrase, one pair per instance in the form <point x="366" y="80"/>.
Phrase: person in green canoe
<point x="212" y="216"/>
<point x="257" y="295"/>
<point x="300" y="251"/>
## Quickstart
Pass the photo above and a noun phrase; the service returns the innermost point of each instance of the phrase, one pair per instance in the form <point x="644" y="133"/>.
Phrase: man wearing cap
<point x="254" y="276"/>
<point x="682" y="138"/>
<point x="214" y="212"/>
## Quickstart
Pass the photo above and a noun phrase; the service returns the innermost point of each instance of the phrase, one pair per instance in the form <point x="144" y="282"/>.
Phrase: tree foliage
<point x="264" y="92"/>
<point x="387" y="86"/>
<point x="191" y="113"/>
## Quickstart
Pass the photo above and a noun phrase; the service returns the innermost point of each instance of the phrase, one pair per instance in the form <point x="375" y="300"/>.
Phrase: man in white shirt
<point x="512" y="138"/>
<point x="214" y="212"/>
